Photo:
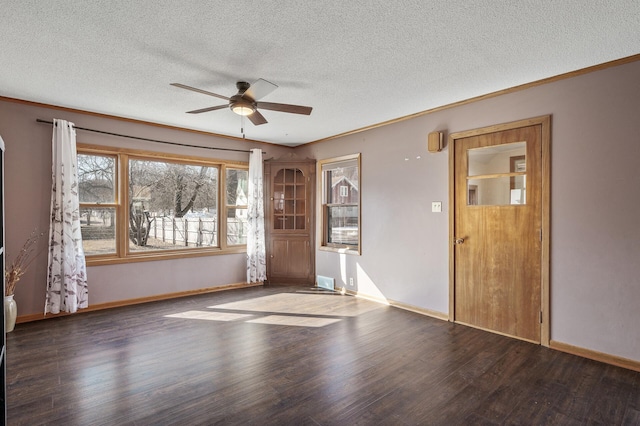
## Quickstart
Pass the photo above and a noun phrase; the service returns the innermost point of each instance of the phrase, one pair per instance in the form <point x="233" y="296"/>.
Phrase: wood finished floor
<point x="289" y="356"/>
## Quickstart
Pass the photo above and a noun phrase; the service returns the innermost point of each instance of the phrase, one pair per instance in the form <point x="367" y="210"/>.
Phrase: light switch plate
<point x="436" y="207"/>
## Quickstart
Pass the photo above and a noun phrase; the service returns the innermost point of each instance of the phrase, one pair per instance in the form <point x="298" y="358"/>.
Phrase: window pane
<point x="237" y="190"/>
<point x="171" y="205"/>
<point x="498" y="191"/>
<point x="342" y="225"/>
<point x="98" y="227"/>
<point x="237" y="226"/>
<point x="341" y="185"/>
<point x="505" y="158"/>
<point x="237" y="187"/>
<point x="96" y="175"/>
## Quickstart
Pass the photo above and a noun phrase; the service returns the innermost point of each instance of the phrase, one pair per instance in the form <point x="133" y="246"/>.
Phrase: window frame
<point x="322" y="209"/>
<point x="122" y="253"/>
<point x="227" y="206"/>
<point x="113" y="205"/>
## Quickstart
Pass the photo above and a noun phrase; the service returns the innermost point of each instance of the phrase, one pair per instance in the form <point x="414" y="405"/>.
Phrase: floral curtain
<point x="256" y="254"/>
<point x="67" y="279"/>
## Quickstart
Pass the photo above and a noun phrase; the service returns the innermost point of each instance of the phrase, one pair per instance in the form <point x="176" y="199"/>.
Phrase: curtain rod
<point x="150" y="140"/>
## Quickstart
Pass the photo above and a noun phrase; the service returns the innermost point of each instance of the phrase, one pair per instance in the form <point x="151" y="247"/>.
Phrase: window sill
<point x="102" y="260"/>
<point x="341" y="250"/>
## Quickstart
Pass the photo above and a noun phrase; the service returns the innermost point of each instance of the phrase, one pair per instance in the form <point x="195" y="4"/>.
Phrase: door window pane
<point x="496" y="159"/>
<point x="497" y="175"/>
<point x="496" y="191"/>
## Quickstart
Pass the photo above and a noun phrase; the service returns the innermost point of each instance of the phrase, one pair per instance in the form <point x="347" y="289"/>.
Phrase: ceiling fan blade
<point x="204" y="92"/>
<point x="295" y="109"/>
<point x="257" y="118"/>
<point x="213" y="108"/>
<point x="260" y="88"/>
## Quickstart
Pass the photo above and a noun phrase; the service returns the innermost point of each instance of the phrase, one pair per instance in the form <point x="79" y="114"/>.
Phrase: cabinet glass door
<point x="289" y="200"/>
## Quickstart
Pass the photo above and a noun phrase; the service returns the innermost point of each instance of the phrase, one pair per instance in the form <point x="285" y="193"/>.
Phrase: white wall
<point x="595" y="207"/>
<point x="28" y="195"/>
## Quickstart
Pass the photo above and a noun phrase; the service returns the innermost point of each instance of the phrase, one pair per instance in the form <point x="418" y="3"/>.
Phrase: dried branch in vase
<point x="21" y="263"/>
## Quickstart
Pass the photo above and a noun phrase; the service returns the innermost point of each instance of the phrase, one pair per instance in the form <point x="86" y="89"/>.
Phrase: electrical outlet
<point x="436" y="207"/>
<point x="351" y="281"/>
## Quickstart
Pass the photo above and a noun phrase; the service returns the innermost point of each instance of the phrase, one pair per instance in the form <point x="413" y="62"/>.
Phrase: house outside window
<point x="340" y="203"/>
<point x="237" y="184"/>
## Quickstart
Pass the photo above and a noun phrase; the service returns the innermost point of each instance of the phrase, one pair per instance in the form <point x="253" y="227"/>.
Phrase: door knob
<point x="458" y="241"/>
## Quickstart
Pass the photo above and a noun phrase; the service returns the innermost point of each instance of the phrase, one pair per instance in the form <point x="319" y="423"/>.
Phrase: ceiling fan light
<point x="242" y="109"/>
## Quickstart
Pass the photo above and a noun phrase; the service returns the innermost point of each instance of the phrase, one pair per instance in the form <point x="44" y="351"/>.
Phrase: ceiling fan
<point x="245" y="102"/>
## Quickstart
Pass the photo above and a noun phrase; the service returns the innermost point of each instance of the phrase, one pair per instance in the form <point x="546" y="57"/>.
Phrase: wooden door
<point x="289" y="224"/>
<point x="498" y="229"/>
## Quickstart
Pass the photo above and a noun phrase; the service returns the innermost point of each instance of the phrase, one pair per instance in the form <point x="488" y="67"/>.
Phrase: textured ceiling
<point x="357" y="63"/>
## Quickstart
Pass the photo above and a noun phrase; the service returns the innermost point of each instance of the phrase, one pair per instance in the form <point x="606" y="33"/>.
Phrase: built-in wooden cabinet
<point x="289" y="193"/>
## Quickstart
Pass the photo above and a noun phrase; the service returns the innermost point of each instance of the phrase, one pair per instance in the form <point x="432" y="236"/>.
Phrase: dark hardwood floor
<point x="291" y="356"/>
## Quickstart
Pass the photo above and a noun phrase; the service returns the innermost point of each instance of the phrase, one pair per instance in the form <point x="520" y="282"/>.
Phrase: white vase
<point x="10" y="313"/>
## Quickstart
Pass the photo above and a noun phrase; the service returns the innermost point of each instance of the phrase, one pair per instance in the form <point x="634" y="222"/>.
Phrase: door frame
<point x="545" y="123"/>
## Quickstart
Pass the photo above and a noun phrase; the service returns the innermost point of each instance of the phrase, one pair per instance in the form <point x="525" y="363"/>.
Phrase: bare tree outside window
<point x="172" y="205"/>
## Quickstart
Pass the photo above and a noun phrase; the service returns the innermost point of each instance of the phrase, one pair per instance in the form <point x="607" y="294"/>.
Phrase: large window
<point x="171" y="205"/>
<point x="97" y="180"/>
<point x="141" y="207"/>
<point x="340" y="203"/>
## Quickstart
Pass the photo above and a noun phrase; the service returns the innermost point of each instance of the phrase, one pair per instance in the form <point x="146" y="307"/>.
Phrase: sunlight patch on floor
<point x="209" y="315"/>
<point x="299" y="309"/>
<point x="296" y="321"/>
<point x="301" y="303"/>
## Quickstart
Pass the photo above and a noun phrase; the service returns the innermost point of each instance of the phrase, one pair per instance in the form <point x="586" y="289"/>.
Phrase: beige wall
<point x="28" y="195"/>
<point x="595" y="237"/>
<point x="595" y="207"/>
